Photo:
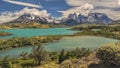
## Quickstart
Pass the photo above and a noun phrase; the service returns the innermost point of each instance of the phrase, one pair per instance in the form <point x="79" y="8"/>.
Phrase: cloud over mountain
<point x="9" y="16"/>
<point x="109" y="7"/>
<point x="83" y="9"/>
<point x="59" y="8"/>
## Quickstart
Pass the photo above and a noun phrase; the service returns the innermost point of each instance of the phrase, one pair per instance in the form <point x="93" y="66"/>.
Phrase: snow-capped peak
<point x="84" y="9"/>
<point x="98" y="18"/>
<point x="10" y="16"/>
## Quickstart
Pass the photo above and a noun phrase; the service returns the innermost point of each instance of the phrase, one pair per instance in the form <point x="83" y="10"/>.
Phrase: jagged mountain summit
<point x="84" y="14"/>
<point x="98" y="18"/>
<point x="28" y="18"/>
<point x="73" y="19"/>
<point x="28" y="15"/>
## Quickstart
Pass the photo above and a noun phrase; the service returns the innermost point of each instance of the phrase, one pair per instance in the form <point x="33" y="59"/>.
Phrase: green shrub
<point x="39" y="54"/>
<point x="66" y="64"/>
<point x="109" y="54"/>
<point x="27" y="64"/>
<point x="71" y="54"/>
<point x="62" y="56"/>
<point x="54" y="56"/>
<point x="5" y="63"/>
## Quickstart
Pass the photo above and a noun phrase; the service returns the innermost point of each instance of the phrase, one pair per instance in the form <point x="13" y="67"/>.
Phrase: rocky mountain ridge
<point x="98" y="18"/>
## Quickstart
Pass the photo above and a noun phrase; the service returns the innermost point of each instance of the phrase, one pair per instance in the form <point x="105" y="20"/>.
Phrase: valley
<point x="31" y="30"/>
<point x="77" y="36"/>
<point x="85" y="36"/>
<point x="59" y="34"/>
<point x="106" y="31"/>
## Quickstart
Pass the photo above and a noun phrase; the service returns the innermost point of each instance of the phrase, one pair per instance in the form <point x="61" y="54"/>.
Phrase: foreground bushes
<point x="109" y="54"/>
<point x="73" y="54"/>
<point x="5" y="63"/>
<point x="39" y="54"/>
<point x="66" y="64"/>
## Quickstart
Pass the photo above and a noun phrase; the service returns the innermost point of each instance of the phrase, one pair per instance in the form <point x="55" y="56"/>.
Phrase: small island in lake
<point x="5" y="34"/>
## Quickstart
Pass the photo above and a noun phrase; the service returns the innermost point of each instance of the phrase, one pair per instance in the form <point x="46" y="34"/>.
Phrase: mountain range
<point x="76" y="15"/>
<point x="72" y="19"/>
<point x="28" y="18"/>
<point x="97" y="18"/>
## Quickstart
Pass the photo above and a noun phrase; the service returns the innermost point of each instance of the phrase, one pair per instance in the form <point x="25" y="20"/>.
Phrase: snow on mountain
<point x="84" y="9"/>
<point x="98" y="18"/>
<point x="32" y="12"/>
<point x="74" y="16"/>
<point x="28" y="18"/>
<point x="83" y="14"/>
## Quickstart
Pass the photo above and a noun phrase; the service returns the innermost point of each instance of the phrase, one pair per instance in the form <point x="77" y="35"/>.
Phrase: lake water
<point x="37" y="32"/>
<point x="91" y="42"/>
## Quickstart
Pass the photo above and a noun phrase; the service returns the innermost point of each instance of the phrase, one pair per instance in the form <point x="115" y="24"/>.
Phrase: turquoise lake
<point x="37" y="32"/>
<point x="68" y="43"/>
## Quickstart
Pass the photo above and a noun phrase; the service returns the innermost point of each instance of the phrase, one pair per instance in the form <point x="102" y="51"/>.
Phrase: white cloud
<point x="9" y="16"/>
<point x="119" y="2"/>
<point x="23" y="3"/>
<point x="106" y="3"/>
<point x="112" y="14"/>
<point x="102" y="6"/>
<point x="84" y="10"/>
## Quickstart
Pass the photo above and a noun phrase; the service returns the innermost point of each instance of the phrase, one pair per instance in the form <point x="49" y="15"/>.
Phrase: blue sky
<point x="59" y="8"/>
<point x="52" y="6"/>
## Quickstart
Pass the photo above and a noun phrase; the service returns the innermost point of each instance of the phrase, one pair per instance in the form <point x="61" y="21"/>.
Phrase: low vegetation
<point x="32" y="41"/>
<point x="39" y="57"/>
<point x="111" y="31"/>
<point x="109" y="54"/>
<point x="106" y="56"/>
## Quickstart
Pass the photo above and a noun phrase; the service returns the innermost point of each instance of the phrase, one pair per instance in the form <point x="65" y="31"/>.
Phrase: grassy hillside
<point x="109" y="31"/>
<point x="23" y="25"/>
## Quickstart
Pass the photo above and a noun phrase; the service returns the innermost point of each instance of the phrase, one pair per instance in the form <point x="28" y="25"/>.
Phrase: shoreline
<point x="63" y="38"/>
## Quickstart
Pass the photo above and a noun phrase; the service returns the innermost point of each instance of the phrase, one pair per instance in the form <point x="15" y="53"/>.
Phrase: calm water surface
<point x="91" y="42"/>
<point x="37" y="32"/>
